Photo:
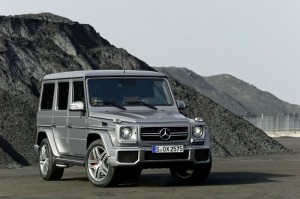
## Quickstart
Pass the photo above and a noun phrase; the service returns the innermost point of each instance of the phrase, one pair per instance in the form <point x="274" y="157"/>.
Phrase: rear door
<point x="60" y="116"/>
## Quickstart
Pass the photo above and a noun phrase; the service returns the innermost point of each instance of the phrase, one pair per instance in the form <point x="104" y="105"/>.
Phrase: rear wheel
<point x="47" y="167"/>
<point x="191" y="175"/>
<point x="99" y="171"/>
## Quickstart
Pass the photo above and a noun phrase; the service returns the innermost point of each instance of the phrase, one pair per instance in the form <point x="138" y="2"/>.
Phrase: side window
<point x="63" y="95"/>
<point x="78" y="94"/>
<point x="47" y="96"/>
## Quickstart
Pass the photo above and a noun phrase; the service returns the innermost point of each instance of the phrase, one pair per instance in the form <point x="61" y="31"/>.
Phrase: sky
<point x="257" y="41"/>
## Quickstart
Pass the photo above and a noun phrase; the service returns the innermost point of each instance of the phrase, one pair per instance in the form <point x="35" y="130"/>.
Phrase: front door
<point x="77" y="121"/>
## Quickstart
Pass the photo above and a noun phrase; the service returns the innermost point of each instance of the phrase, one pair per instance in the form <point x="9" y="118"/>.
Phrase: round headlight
<point x="126" y="133"/>
<point x="197" y="131"/>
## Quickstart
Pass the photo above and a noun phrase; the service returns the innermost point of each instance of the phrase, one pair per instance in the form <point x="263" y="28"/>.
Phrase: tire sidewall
<point x="47" y="176"/>
<point x="109" y="179"/>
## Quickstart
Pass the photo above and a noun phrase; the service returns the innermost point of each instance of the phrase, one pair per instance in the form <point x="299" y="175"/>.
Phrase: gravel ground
<point x="260" y="177"/>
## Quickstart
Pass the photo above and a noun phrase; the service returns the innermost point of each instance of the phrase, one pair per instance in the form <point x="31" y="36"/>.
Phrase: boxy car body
<point x="116" y="123"/>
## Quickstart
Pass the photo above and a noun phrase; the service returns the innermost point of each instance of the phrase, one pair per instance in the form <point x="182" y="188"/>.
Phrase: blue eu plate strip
<point x="153" y="149"/>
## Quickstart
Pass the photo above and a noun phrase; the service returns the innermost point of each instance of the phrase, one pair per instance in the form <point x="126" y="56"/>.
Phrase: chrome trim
<point x="101" y="128"/>
<point x="111" y="120"/>
<point x="172" y="134"/>
<point x="40" y="125"/>
<point x="99" y="118"/>
<point x="165" y="134"/>
<point x="77" y="127"/>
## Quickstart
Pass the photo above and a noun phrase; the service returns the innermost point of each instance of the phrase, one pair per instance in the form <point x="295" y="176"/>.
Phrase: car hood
<point x="142" y="116"/>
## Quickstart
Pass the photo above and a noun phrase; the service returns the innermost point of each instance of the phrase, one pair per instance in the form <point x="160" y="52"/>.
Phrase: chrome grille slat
<point x="153" y="133"/>
<point x="147" y="135"/>
<point x="179" y="133"/>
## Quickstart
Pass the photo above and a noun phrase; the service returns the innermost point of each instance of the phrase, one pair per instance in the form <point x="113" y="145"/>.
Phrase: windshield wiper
<point x="113" y="104"/>
<point x="141" y="103"/>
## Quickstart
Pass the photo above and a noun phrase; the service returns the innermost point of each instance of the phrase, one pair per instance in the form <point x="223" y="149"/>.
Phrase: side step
<point x="66" y="161"/>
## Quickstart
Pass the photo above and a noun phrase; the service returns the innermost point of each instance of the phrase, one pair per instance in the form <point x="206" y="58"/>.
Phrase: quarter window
<point x="47" y="99"/>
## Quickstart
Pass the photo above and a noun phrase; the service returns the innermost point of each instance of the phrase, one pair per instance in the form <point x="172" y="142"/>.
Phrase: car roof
<point x="103" y="73"/>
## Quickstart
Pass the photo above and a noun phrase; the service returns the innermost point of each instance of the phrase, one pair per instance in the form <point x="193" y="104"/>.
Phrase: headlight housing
<point x="198" y="131"/>
<point x="126" y="133"/>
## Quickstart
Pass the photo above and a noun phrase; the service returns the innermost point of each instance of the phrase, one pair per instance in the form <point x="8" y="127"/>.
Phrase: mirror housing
<point x="77" y="106"/>
<point x="180" y="105"/>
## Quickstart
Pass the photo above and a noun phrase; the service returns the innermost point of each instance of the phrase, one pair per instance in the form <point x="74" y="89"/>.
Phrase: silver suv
<point x="116" y="123"/>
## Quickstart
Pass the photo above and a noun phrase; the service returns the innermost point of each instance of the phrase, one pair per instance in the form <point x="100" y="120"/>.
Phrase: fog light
<point x="127" y="156"/>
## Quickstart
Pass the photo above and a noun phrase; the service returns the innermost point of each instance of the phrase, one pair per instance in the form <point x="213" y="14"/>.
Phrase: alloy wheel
<point x="44" y="160"/>
<point x="98" y="163"/>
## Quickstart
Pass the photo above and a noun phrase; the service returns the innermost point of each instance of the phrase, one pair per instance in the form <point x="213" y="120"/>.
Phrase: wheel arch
<point x="47" y="133"/>
<point x="41" y="135"/>
<point x="91" y="138"/>
<point x="103" y="136"/>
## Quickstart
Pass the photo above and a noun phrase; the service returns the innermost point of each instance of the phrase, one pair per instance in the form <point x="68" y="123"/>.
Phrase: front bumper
<point x="143" y="156"/>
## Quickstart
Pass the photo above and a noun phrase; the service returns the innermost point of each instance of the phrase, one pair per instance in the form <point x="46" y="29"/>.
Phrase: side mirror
<point x="77" y="106"/>
<point x="180" y="105"/>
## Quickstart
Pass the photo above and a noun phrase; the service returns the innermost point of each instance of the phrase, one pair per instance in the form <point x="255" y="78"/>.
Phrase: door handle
<point x="54" y="125"/>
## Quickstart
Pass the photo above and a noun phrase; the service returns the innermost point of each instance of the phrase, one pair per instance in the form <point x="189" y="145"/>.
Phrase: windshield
<point x="120" y="92"/>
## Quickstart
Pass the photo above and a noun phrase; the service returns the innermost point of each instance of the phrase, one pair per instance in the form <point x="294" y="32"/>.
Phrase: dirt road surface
<point x="243" y="177"/>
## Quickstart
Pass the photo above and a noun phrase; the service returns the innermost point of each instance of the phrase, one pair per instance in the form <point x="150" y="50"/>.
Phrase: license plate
<point x="167" y="149"/>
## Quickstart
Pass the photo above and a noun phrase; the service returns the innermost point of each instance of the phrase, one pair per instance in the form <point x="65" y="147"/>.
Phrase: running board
<point x="60" y="161"/>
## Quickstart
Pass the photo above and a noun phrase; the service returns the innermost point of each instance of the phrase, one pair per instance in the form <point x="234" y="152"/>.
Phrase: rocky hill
<point x="199" y="84"/>
<point x="233" y="94"/>
<point x="256" y="100"/>
<point x="32" y="46"/>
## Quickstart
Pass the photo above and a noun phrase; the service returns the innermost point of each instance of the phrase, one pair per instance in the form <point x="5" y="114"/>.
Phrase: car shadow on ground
<point x="232" y="178"/>
<point x="83" y="179"/>
<point x="214" y="179"/>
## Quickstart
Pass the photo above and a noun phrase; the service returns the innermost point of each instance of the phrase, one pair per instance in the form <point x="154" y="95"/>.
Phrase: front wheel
<point x="191" y="175"/>
<point x="99" y="171"/>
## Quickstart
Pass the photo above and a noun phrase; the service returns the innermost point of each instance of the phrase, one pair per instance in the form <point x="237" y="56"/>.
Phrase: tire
<point x="191" y="175"/>
<point x="47" y="166"/>
<point x="99" y="171"/>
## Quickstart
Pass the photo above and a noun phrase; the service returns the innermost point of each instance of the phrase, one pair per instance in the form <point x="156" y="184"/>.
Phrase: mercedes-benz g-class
<point x="116" y="123"/>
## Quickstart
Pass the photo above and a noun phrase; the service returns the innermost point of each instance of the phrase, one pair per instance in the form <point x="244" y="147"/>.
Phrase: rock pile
<point x="33" y="46"/>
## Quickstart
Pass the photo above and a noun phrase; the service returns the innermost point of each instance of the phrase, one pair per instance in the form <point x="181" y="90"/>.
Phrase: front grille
<point x="153" y="133"/>
<point x="166" y="156"/>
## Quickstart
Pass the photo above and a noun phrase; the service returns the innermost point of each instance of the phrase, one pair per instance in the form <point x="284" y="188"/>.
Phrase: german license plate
<point x="168" y="149"/>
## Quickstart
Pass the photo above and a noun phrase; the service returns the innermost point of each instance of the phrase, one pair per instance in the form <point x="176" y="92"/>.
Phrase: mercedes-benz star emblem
<point x="165" y="134"/>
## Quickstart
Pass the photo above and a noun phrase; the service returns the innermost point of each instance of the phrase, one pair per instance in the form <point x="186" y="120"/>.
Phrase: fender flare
<point x="50" y="136"/>
<point x="106" y="139"/>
